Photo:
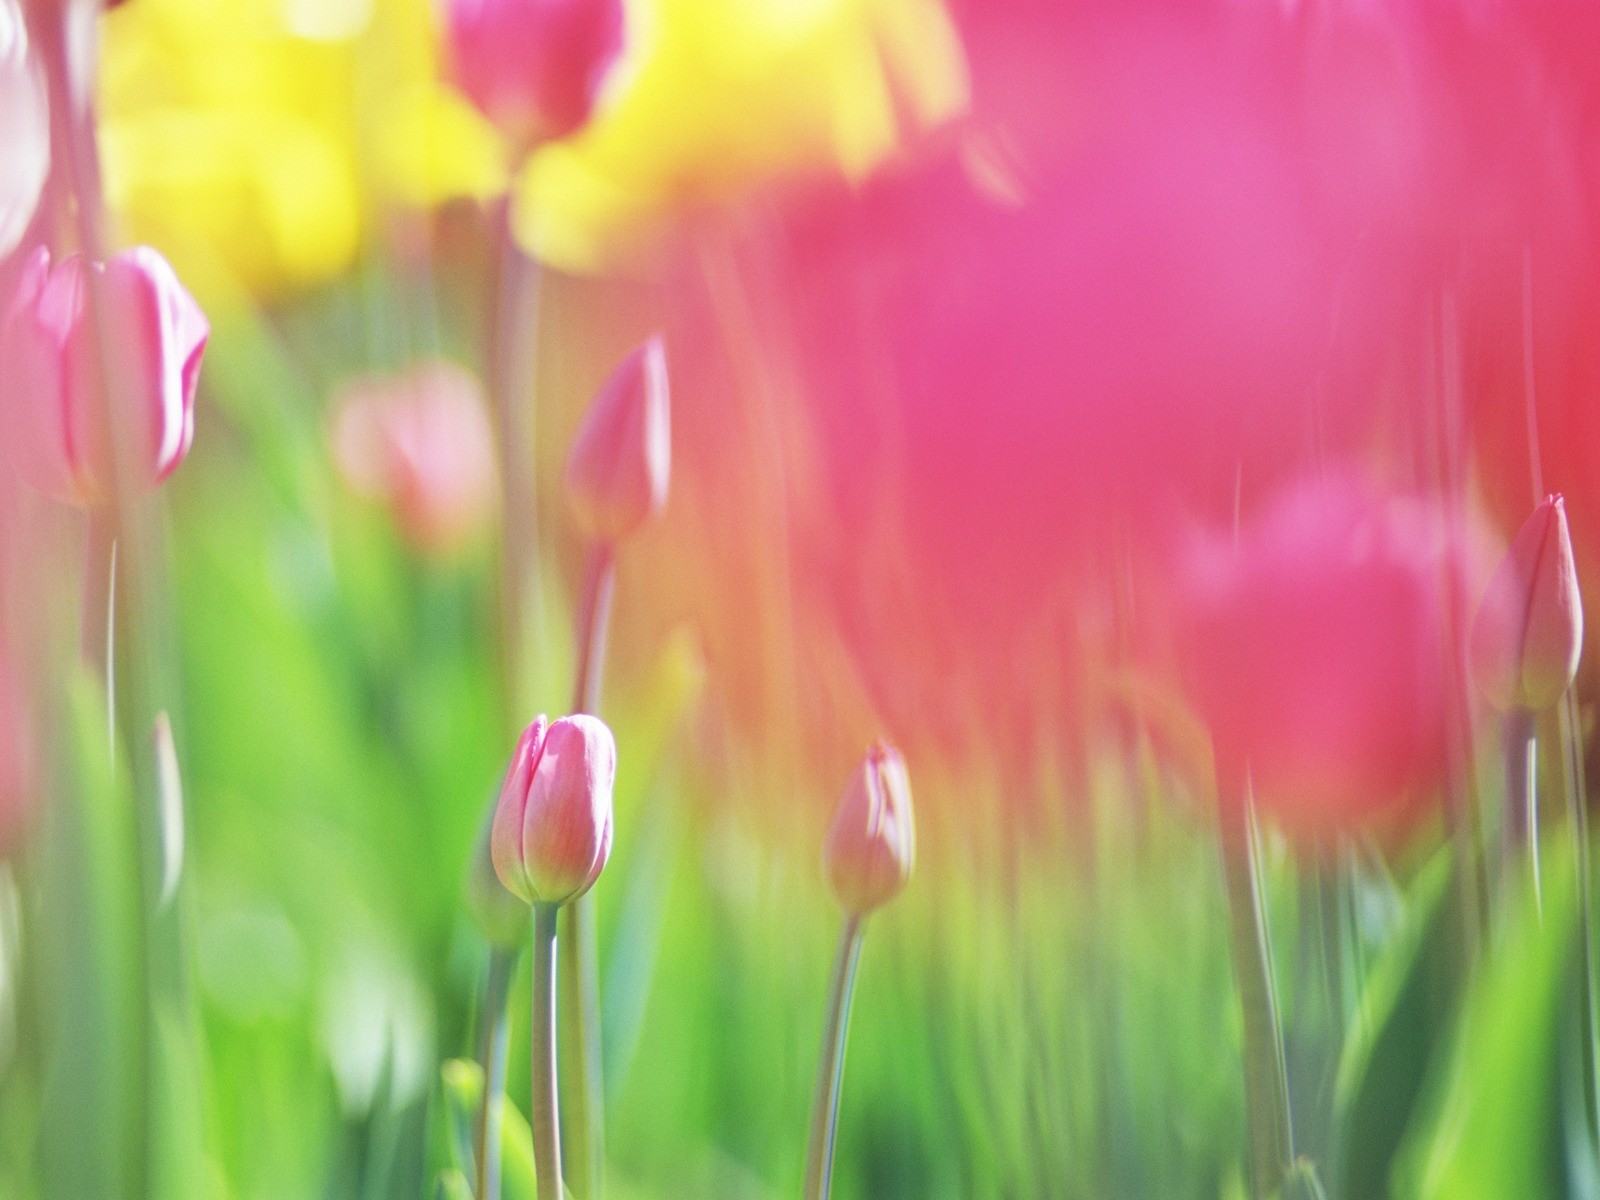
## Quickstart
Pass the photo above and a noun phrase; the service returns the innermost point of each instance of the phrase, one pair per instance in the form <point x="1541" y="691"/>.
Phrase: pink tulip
<point x="56" y="416"/>
<point x="621" y="458"/>
<point x="24" y="130"/>
<point x="1320" y="653"/>
<point x="420" y="442"/>
<point x="872" y="845"/>
<point x="1529" y="631"/>
<point x="552" y="827"/>
<point x="534" y="67"/>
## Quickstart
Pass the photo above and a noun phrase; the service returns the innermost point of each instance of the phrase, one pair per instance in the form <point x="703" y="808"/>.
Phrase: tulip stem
<point x="545" y="1104"/>
<point x="1266" y="1077"/>
<point x="97" y="626"/>
<point x="594" y="624"/>
<point x="512" y="361"/>
<point x="138" y="663"/>
<point x="830" y="1068"/>
<point x="583" y="1087"/>
<point x="1578" y="813"/>
<point x="495" y="1033"/>
<point x="1522" y="795"/>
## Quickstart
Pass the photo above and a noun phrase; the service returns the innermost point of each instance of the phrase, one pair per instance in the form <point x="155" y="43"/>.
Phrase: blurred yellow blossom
<point x="720" y="96"/>
<point x="253" y="140"/>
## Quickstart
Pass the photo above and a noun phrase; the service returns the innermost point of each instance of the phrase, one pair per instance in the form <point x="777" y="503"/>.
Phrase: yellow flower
<point x="720" y="97"/>
<point x="253" y="140"/>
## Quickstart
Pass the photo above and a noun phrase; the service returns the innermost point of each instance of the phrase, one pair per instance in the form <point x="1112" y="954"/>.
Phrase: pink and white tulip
<point x="871" y="847"/>
<point x="61" y="427"/>
<point x="620" y="463"/>
<point x="551" y="835"/>
<point x="1528" y="634"/>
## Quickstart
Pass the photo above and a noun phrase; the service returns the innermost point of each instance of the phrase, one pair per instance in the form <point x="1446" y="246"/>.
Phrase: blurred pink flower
<point x="552" y="827"/>
<point x="419" y="441"/>
<point x="534" y="67"/>
<point x="1322" y="646"/>
<point x="24" y="130"/>
<point x="55" y="414"/>
<point x="621" y="457"/>
<point x="1528" y="634"/>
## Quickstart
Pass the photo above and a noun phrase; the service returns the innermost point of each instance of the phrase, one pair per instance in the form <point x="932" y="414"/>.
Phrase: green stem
<point x="512" y="359"/>
<point x="1522" y="796"/>
<point x="1578" y="813"/>
<point x="594" y="624"/>
<point x="165" y="1150"/>
<point x="582" y="1086"/>
<point x="1266" y="1079"/>
<point x="545" y="1106"/>
<point x="495" y="1030"/>
<point x="830" y="1068"/>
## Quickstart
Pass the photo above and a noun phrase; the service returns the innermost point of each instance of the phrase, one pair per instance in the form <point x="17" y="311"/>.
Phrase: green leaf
<point x="1401" y="1017"/>
<point x="455" y="1117"/>
<point x="1492" y="1128"/>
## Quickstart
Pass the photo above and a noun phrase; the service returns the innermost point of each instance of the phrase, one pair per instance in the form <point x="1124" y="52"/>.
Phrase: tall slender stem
<point x="495" y="1034"/>
<point x="1522" y="795"/>
<point x="582" y="1084"/>
<point x="545" y="1114"/>
<point x="1266" y="1077"/>
<point x="512" y="359"/>
<point x="830" y="1068"/>
<point x="594" y="624"/>
<point x="165" y="1152"/>
<point x="1578" y="814"/>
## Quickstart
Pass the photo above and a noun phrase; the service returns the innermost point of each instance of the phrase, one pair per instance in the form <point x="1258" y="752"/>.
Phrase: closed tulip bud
<point x="872" y="845"/>
<point x="535" y="68"/>
<point x="56" y="418"/>
<point x="1529" y="629"/>
<point x="552" y="828"/>
<point x="621" y="457"/>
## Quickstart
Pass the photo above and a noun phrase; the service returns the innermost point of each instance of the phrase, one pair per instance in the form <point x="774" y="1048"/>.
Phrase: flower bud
<point x="872" y="845"/>
<point x="534" y="67"/>
<point x="420" y="442"/>
<point x="552" y="828"/>
<point x="56" y="418"/>
<point x="621" y="457"/>
<point x="24" y="130"/>
<point x="1528" y="634"/>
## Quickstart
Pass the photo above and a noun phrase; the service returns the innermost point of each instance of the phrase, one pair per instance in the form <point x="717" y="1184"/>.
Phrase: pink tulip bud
<point x="872" y="845"/>
<point x="420" y="442"/>
<point x="1529" y="630"/>
<point x="534" y="67"/>
<point x="55" y="417"/>
<point x="621" y="457"/>
<point x="24" y="130"/>
<point x="552" y="828"/>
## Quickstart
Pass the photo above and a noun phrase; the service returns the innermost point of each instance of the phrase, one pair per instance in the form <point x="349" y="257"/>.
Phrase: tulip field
<point x="856" y="599"/>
